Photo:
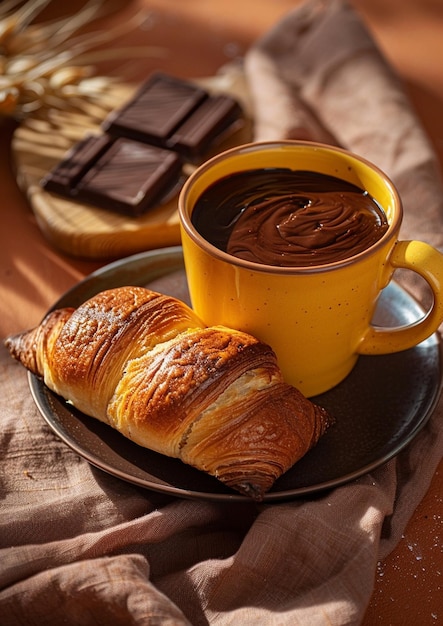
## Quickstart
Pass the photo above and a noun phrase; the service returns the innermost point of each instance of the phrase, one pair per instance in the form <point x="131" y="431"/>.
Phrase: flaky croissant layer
<point x="145" y="364"/>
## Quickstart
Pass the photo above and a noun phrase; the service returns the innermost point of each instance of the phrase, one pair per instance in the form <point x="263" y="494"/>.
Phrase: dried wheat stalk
<point x="49" y="64"/>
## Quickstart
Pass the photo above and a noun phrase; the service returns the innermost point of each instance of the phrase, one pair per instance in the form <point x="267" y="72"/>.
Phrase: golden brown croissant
<point x="143" y="363"/>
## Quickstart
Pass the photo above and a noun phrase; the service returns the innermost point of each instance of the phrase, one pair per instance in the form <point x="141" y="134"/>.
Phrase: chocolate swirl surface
<point x="288" y="218"/>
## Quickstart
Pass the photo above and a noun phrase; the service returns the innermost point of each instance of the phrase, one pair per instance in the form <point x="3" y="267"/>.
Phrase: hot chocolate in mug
<point x="316" y="312"/>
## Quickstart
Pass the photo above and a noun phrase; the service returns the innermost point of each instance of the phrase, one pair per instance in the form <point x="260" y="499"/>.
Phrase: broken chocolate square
<point x="130" y="177"/>
<point x="156" y="110"/>
<point x="172" y="113"/>
<point x="116" y="174"/>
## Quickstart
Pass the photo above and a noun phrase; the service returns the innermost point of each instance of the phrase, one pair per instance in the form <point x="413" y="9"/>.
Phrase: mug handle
<point x="425" y="260"/>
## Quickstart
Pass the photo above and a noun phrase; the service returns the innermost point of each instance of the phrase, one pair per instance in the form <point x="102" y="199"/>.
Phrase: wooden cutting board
<point x="79" y="229"/>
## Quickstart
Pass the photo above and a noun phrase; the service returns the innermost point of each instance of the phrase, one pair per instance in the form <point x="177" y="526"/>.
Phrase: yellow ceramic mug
<point x="317" y="319"/>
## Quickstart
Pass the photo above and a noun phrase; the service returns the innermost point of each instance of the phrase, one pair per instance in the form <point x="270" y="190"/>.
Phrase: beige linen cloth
<point x="81" y="547"/>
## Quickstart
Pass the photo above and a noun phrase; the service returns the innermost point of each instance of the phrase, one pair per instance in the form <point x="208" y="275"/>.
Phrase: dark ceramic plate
<point x="379" y="408"/>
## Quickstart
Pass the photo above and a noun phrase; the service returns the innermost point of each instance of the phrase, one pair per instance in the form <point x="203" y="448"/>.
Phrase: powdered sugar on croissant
<point x="145" y="364"/>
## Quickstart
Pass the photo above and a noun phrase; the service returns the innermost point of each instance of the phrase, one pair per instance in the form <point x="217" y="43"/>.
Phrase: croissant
<point x="145" y="364"/>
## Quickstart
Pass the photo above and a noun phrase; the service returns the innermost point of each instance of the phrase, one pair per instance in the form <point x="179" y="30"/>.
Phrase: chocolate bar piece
<point x="116" y="174"/>
<point x="130" y="177"/>
<point x="195" y="136"/>
<point x="156" y="110"/>
<point x="175" y="114"/>
<point x="68" y="172"/>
